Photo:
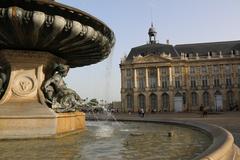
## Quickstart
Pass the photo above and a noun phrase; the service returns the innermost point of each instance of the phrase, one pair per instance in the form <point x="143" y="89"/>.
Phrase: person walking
<point x="142" y="112"/>
<point x="204" y="112"/>
<point x="201" y="108"/>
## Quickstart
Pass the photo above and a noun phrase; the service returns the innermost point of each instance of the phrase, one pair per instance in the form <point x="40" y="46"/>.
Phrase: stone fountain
<point x="40" y="40"/>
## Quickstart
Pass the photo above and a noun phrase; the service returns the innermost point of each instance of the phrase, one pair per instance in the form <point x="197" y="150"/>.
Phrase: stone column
<point x="188" y="105"/>
<point x="171" y="100"/>
<point x="159" y="96"/>
<point x="170" y="77"/>
<point x="238" y="98"/>
<point x="223" y="77"/>
<point x="200" y="98"/>
<point x="122" y="79"/>
<point x="234" y="75"/>
<point x="158" y="77"/>
<point x="135" y="102"/>
<point x="146" y="77"/>
<point x="225" y="104"/>
<point x="135" y="77"/>
<point x="124" y="103"/>
<point x="147" y="103"/>
<point x="235" y="96"/>
<point x="211" y="99"/>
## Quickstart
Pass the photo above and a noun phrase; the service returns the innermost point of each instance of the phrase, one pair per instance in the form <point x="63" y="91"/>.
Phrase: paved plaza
<point x="227" y="120"/>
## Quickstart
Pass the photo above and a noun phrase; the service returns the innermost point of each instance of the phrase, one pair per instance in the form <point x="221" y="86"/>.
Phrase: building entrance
<point x="178" y="104"/>
<point x="218" y="102"/>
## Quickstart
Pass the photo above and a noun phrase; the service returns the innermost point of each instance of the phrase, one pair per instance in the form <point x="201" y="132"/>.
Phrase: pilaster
<point x="158" y="77"/>
<point x="135" y="77"/>
<point x="146" y="77"/>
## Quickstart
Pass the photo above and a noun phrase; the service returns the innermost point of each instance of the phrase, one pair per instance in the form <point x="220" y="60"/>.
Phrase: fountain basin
<point x="39" y="126"/>
<point x="112" y="140"/>
<point x="222" y="147"/>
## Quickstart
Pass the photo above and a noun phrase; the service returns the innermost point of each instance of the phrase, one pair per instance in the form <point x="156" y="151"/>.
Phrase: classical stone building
<point x="166" y="78"/>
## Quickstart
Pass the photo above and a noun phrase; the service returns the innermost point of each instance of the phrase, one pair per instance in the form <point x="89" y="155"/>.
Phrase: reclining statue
<point x="3" y="81"/>
<point x="58" y="96"/>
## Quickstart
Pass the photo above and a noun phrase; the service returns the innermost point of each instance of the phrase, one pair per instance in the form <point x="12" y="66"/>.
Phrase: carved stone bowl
<point x="71" y="34"/>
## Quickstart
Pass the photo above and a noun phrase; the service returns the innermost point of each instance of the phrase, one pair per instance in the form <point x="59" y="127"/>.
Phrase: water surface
<point x="113" y="140"/>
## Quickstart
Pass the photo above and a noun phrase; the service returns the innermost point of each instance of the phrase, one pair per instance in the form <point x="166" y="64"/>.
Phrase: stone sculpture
<point x="58" y="96"/>
<point x="35" y="34"/>
<point x="3" y="81"/>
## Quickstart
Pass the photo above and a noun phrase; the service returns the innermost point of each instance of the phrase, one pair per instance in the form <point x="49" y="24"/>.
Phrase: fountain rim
<point x="73" y="35"/>
<point x="52" y="8"/>
<point x="222" y="146"/>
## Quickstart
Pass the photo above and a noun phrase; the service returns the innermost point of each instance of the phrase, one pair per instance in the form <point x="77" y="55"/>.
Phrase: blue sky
<point x="180" y="21"/>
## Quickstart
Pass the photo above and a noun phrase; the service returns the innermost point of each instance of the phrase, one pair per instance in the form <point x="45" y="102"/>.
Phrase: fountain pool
<point x="104" y="140"/>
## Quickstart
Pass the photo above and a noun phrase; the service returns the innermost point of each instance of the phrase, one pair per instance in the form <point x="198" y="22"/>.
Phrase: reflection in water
<point x="110" y="140"/>
<point x="104" y="131"/>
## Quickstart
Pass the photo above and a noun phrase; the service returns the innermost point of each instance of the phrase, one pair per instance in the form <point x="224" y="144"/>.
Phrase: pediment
<point x="153" y="58"/>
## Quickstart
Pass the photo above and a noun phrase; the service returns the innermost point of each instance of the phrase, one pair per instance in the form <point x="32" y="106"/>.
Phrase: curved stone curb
<point x="222" y="147"/>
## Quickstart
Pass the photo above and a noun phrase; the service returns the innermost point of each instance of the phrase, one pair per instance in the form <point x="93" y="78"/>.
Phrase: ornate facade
<point x="162" y="77"/>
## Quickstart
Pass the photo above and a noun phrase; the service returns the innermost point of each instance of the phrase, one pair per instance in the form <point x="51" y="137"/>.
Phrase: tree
<point x="93" y="102"/>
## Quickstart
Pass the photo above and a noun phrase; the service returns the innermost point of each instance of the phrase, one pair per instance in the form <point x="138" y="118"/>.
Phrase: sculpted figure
<point x="58" y="96"/>
<point x="3" y="80"/>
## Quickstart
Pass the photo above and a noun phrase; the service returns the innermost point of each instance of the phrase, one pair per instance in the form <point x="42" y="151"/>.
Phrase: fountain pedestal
<point x="23" y="112"/>
<point x="35" y="35"/>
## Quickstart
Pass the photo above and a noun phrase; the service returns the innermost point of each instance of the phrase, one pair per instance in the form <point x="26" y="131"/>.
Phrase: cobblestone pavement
<point x="227" y="120"/>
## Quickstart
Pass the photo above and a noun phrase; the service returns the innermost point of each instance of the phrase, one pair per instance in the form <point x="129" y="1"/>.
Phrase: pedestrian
<point x="142" y="112"/>
<point x="201" y="108"/>
<point x="237" y="108"/>
<point x="139" y="112"/>
<point x="204" y="112"/>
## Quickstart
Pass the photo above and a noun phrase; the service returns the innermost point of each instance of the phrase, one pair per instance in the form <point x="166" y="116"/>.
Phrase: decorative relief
<point x="68" y="26"/>
<point x="150" y="58"/>
<point x="18" y="55"/>
<point x="24" y="85"/>
<point x="49" y="20"/>
<point x="2" y="12"/>
<point x="27" y="16"/>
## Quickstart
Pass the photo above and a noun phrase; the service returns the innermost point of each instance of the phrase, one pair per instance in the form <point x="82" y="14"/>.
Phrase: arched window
<point x="194" y="99"/>
<point x="153" y="99"/>
<point x="205" y="98"/>
<point x="141" y="98"/>
<point x="130" y="102"/>
<point x="165" y="101"/>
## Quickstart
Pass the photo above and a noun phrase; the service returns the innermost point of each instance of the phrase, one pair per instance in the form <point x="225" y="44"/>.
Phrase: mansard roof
<point x="154" y="48"/>
<point x="202" y="49"/>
